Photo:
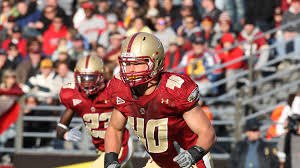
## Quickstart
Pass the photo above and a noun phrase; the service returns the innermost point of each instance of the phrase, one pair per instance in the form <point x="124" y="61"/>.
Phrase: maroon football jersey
<point x="157" y="118"/>
<point x="94" y="113"/>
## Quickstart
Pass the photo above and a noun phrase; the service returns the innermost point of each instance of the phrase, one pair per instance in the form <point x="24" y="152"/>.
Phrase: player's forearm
<point x="113" y="140"/>
<point x="60" y="131"/>
<point x="206" y="139"/>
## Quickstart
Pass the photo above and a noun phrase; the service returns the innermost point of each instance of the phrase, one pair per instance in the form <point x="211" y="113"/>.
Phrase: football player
<point x="87" y="97"/>
<point x="160" y="107"/>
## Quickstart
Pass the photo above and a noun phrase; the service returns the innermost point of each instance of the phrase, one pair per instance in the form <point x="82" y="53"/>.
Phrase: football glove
<point x="111" y="160"/>
<point x="73" y="135"/>
<point x="187" y="158"/>
<point x="114" y="164"/>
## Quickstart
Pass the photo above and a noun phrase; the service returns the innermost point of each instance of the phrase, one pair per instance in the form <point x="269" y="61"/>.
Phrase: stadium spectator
<point x="113" y="51"/>
<point x="100" y="51"/>
<point x="67" y="6"/>
<point x="72" y="33"/>
<point x="78" y="51"/>
<point x="103" y="7"/>
<point x="288" y="148"/>
<point x="138" y="25"/>
<point x="188" y="27"/>
<point x="62" y="46"/>
<point x="30" y="67"/>
<point x="6" y="12"/>
<point x="223" y="26"/>
<point x="229" y="55"/>
<point x="16" y="38"/>
<point x="164" y="33"/>
<point x="261" y="12"/>
<point x="197" y="62"/>
<point x="42" y="85"/>
<point x="278" y="37"/>
<point x="79" y="15"/>
<point x="65" y="57"/>
<point x="92" y="25"/>
<point x="39" y="27"/>
<point x="37" y="126"/>
<point x="211" y="10"/>
<point x="236" y="11"/>
<point x="5" y="63"/>
<point x="254" y="41"/>
<point x="130" y="12"/>
<point x="64" y="75"/>
<point x="13" y="55"/>
<point x="253" y="151"/>
<point x="173" y="56"/>
<point x="9" y="85"/>
<point x="59" y="11"/>
<point x="56" y="31"/>
<point x="193" y="6"/>
<point x="6" y="30"/>
<point x="292" y="14"/>
<point x="152" y="11"/>
<point x="27" y="13"/>
<point x="208" y="33"/>
<point x="170" y="10"/>
<point x="184" y="12"/>
<point x="9" y="107"/>
<point x="113" y="26"/>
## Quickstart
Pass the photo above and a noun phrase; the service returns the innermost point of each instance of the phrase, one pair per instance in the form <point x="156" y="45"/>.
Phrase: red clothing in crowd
<point x="176" y="60"/>
<point x="51" y="38"/>
<point x="15" y="90"/>
<point x="257" y="44"/>
<point x="10" y="115"/>
<point x="232" y="54"/>
<point x="285" y="4"/>
<point x="22" y="44"/>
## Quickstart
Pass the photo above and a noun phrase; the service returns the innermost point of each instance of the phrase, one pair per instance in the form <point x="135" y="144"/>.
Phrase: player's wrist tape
<point x="110" y="158"/>
<point x="197" y="153"/>
<point x="62" y="126"/>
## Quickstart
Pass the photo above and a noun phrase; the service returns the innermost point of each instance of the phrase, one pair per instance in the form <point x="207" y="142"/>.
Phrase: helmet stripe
<point x="131" y="41"/>
<point x="87" y="61"/>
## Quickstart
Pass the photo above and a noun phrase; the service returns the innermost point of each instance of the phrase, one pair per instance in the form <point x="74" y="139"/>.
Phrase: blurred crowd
<point x="41" y="40"/>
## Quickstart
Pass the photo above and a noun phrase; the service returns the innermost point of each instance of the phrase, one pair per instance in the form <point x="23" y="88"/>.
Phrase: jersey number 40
<point x="154" y="136"/>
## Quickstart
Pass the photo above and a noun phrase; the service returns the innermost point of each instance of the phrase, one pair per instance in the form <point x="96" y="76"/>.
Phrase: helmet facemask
<point x="89" y="83"/>
<point x="136" y="78"/>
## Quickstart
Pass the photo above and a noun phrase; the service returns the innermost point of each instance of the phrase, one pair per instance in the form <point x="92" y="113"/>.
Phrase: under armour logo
<point x="142" y="110"/>
<point x="120" y="101"/>
<point x="76" y="101"/>
<point x="164" y="101"/>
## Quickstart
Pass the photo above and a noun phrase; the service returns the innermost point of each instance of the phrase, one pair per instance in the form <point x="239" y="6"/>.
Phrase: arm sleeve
<point x="64" y="98"/>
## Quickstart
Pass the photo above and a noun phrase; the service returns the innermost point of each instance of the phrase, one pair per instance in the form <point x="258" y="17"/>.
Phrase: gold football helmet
<point x="143" y="47"/>
<point x="89" y="74"/>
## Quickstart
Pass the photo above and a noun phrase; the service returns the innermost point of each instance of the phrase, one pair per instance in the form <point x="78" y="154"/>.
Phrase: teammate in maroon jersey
<point x="88" y="98"/>
<point x="161" y="108"/>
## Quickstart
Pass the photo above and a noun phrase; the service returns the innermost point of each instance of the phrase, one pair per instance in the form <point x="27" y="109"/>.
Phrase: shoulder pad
<point x="182" y="86"/>
<point x="70" y="85"/>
